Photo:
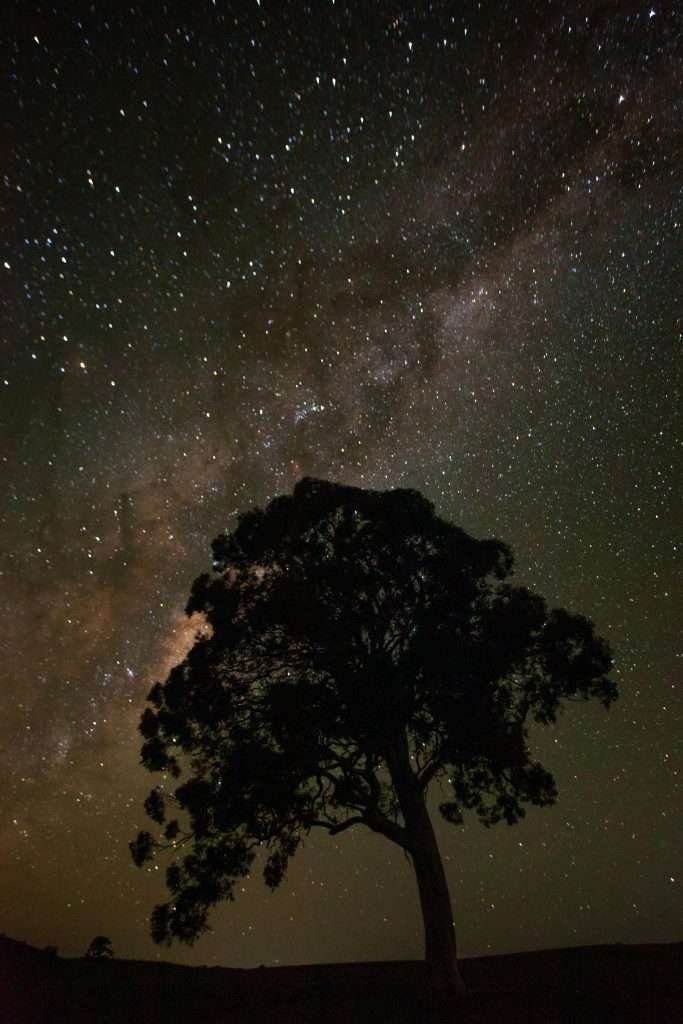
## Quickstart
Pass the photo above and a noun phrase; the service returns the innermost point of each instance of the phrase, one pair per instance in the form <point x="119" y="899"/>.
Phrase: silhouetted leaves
<point x="154" y="806"/>
<point x="100" y="948"/>
<point x="359" y="647"/>
<point x="141" y="848"/>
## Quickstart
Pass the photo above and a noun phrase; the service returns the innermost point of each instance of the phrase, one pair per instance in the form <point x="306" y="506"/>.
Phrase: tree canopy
<point x="357" y="648"/>
<point x="100" y="948"/>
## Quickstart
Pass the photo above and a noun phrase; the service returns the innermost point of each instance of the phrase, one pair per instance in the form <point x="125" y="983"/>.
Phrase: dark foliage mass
<point x="100" y="948"/>
<point x="357" y="647"/>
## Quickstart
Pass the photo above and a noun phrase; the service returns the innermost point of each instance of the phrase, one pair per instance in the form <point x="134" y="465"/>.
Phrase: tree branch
<point x="432" y="768"/>
<point x="376" y="821"/>
<point x="335" y="827"/>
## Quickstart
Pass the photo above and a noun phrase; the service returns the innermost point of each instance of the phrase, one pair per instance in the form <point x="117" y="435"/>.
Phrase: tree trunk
<point x="435" y="901"/>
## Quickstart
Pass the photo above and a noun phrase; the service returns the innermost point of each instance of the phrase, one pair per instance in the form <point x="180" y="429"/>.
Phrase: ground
<point x="579" y="985"/>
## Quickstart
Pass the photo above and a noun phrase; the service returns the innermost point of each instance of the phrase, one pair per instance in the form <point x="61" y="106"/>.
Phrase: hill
<point x="580" y="985"/>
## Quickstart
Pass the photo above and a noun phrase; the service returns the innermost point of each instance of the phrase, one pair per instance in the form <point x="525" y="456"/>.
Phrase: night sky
<point x="393" y="245"/>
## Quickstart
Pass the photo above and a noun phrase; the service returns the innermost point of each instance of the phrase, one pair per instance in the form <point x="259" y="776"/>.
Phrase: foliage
<point x="100" y="948"/>
<point x="342" y="621"/>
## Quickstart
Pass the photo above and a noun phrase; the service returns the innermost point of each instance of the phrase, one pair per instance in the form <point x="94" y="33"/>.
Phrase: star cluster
<point x="430" y="245"/>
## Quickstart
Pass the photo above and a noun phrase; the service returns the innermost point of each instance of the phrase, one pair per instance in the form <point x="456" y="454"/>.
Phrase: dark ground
<point x="574" y="986"/>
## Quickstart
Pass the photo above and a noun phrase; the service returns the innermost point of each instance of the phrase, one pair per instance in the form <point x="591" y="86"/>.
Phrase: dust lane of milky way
<point x="435" y="247"/>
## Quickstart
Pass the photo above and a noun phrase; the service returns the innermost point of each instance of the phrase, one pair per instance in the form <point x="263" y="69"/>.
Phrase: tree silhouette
<point x="100" y="948"/>
<point x="358" y="648"/>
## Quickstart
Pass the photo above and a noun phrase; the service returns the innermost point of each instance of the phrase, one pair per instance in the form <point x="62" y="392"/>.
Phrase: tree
<point x="100" y="948"/>
<point x="357" y="649"/>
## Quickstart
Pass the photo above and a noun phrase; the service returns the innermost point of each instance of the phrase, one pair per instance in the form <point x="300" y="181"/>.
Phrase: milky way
<point x="434" y="246"/>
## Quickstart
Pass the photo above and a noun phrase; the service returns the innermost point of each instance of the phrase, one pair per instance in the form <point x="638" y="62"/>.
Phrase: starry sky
<point x="434" y="245"/>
